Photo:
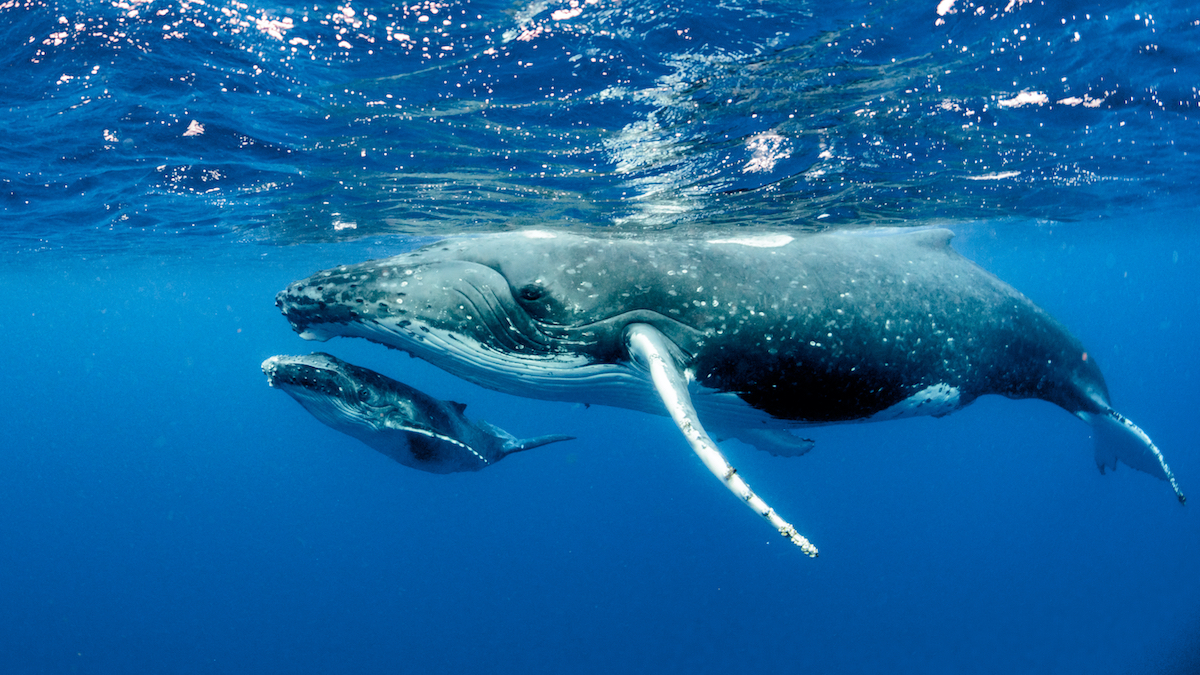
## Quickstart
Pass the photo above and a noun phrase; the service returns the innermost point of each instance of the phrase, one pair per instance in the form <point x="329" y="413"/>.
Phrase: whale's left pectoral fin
<point x="1118" y="438"/>
<point x="654" y="352"/>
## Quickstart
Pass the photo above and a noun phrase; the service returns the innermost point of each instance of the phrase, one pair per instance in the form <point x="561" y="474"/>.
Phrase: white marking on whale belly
<point x="759" y="241"/>
<point x="538" y="234"/>
<point x="935" y="401"/>
<point x="401" y="438"/>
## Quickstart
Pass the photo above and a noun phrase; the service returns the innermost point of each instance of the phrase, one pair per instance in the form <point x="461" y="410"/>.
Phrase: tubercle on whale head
<point x="427" y="308"/>
<point x="407" y="301"/>
<point x="331" y="302"/>
<point x="329" y="297"/>
<point x="317" y="372"/>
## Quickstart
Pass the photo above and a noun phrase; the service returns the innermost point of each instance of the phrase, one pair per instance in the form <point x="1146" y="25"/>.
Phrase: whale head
<point x="338" y="394"/>
<point x="535" y="312"/>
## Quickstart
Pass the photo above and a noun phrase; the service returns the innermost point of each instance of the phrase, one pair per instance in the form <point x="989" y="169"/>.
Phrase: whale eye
<point x="531" y="292"/>
<point x="364" y="394"/>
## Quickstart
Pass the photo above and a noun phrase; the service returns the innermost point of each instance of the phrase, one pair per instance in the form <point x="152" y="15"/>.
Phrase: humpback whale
<point x="403" y="423"/>
<point x="746" y="336"/>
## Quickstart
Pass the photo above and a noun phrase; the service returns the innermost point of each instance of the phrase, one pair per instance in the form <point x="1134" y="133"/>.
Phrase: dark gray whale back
<point x="854" y="325"/>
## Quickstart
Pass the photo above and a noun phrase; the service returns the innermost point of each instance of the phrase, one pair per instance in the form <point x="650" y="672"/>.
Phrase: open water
<point x="167" y="166"/>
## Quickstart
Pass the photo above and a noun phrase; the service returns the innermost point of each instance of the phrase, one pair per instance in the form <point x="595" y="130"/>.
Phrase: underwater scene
<point x="286" y="284"/>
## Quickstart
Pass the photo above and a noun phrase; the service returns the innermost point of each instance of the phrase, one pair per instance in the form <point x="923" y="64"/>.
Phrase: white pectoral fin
<point x="1118" y="438"/>
<point x="651" y="350"/>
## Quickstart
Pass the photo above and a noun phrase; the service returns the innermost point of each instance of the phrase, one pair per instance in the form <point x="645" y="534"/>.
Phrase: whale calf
<point x="749" y="336"/>
<point x="403" y="423"/>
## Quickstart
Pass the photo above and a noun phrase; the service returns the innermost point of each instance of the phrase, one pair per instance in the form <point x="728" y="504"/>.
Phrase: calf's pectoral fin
<point x="652" y="351"/>
<point x="1118" y="438"/>
<point x="513" y="444"/>
<point x="535" y="442"/>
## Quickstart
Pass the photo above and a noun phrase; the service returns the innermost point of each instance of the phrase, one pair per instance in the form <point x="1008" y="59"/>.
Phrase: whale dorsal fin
<point x="460" y="407"/>
<point x="933" y="238"/>
<point x="936" y="238"/>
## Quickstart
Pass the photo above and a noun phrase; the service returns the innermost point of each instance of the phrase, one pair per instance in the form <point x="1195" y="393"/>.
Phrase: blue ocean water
<point x="168" y="166"/>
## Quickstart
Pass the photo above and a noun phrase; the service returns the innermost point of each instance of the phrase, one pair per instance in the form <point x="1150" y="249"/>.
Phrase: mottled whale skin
<point x="752" y="334"/>
<point x="403" y="423"/>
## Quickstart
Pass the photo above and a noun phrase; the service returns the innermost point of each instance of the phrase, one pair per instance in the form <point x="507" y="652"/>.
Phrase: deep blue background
<point x="163" y="510"/>
<point x="166" y="511"/>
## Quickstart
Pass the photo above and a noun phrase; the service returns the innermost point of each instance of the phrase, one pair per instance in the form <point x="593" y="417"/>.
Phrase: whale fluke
<point x="1116" y="437"/>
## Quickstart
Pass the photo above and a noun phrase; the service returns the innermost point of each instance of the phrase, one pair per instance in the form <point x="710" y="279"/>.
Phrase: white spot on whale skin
<point x="936" y="401"/>
<point x="759" y="241"/>
<point x="538" y="234"/>
<point x="314" y="334"/>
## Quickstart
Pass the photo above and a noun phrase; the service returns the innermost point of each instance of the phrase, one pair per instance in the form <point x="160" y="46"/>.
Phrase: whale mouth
<point x="315" y="373"/>
<point x="459" y="316"/>
<point x="465" y="318"/>
<point x="331" y="391"/>
<point x="317" y="376"/>
<point x="462" y="297"/>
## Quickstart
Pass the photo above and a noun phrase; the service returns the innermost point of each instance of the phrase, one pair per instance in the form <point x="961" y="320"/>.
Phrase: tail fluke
<point x="1118" y="438"/>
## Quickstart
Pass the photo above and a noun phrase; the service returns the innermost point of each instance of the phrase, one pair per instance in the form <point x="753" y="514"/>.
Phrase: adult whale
<point x="403" y="423"/>
<point x="751" y="334"/>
